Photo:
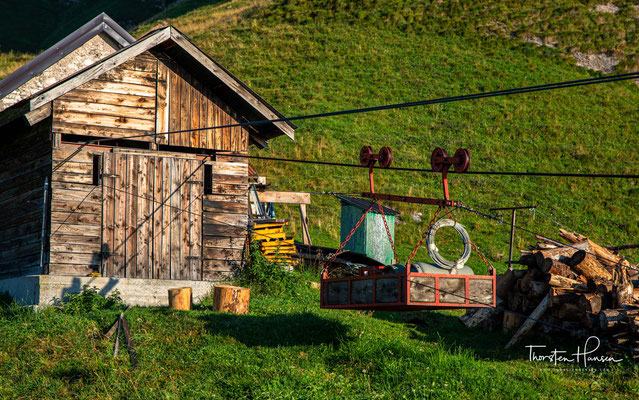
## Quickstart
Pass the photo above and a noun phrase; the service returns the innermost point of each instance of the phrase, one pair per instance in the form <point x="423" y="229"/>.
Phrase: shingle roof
<point x="364" y="204"/>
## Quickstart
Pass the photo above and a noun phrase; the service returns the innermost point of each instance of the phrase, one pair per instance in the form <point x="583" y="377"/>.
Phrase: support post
<point x="512" y="229"/>
<point x="512" y="240"/>
<point x="306" y="236"/>
<point x="44" y="224"/>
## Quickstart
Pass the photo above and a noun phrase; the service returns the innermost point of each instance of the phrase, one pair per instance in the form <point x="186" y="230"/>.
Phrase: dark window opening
<point x="97" y="169"/>
<point x="208" y="179"/>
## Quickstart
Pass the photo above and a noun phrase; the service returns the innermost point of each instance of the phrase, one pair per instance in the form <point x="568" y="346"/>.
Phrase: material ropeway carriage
<point x="411" y="286"/>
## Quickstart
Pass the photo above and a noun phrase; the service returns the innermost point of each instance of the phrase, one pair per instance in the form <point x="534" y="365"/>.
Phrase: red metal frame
<point x="405" y="304"/>
<point x="440" y="162"/>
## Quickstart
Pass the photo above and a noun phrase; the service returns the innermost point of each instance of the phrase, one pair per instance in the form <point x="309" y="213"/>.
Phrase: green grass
<point x="285" y="348"/>
<point x="304" y="61"/>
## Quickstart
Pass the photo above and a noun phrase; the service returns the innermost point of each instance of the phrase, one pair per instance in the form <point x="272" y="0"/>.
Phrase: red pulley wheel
<point x="462" y="160"/>
<point x="385" y="157"/>
<point x="365" y="156"/>
<point x="437" y="159"/>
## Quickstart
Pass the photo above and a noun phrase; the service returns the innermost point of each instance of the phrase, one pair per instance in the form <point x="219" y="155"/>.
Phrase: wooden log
<point x="536" y="274"/>
<point x="519" y="273"/>
<point x="515" y="301"/>
<point x="538" y="289"/>
<point x="524" y="283"/>
<point x="505" y="283"/>
<point x="611" y="319"/>
<point x="233" y="299"/>
<point x="562" y="254"/>
<point x="562" y="282"/>
<point x="511" y="321"/>
<point x="530" y="321"/>
<point x="633" y="322"/>
<point x="571" y="312"/>
<point x="622" y="287"/>
<point x="129" y="343"/>
<point x="527" y="260"/>
<point x="605" y="256"/>
<point x="550" y="266"/>
<point x="180" y="298"/>
<point x="599" y="286"/>
<point x="549" y="241"/>
<point x="481" y="317"/>
<point x="589" y="267"/>
<point x="589" y="302"/>
<point x="559" y="296"/>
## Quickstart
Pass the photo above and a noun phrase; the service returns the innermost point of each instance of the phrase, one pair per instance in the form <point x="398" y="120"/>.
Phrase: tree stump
<point x="232" y="299"/>
<point x="180" y="298"/>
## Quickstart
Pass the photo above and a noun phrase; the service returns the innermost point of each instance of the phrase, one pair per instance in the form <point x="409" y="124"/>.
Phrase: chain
<point x="473" y="245"/>
<point x="390" y="238"/>
<point x="341" y="247"/>
<point x="421" y="240"/>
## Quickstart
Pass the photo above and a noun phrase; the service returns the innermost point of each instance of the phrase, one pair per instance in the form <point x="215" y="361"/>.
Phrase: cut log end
<point x="180" y="298"/>
<point x="233" y="299"/>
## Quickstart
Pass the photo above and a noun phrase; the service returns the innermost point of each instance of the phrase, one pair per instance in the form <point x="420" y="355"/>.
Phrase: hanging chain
<point x="390" y="238"/>
<point x="421" y="240"/>
<point x="474" y="246"/>
<point x="341" y="247"/>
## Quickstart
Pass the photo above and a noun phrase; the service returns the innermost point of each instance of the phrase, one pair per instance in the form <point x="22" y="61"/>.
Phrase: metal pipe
<point x="44" y="222"/>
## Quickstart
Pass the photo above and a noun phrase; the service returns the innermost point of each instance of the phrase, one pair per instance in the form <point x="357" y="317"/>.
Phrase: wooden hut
<point x="149" y="196"/>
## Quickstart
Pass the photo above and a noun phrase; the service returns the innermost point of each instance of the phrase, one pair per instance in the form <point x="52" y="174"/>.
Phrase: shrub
<point x="89" y="300"/>
<point x="265" y="276"/>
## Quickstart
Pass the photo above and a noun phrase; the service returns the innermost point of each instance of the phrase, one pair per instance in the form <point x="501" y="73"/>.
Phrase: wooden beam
<point x="284" y="197"/>
<point x="306" y="236"/>
<point x="530" y="321"/>
<point x="98" y="69"/>
<point x="39" y="114"/>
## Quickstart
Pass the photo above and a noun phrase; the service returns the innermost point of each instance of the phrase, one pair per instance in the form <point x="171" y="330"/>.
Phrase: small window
<point x="97" y="169"/>
<point x="208" y="179"/>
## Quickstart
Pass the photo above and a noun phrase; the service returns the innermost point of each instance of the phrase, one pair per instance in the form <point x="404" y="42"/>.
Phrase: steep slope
<point x="306" y="61"/>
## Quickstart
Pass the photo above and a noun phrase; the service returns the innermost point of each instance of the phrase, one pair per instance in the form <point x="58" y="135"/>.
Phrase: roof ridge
<point x="101" y="23"/>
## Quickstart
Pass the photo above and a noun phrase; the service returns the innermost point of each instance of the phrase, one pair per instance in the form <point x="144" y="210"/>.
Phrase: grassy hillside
<point x="285" y="348"/>
<point x="311" y="56"/>
<point x="305" y="60"/>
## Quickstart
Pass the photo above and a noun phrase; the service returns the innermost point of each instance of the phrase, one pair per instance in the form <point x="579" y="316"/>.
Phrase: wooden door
<point x="152" y="217"/>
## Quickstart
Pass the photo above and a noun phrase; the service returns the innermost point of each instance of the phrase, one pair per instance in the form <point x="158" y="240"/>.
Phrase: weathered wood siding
<point x="120" y="103"/>
<point x="185" y="103"/>
<point x="76" y="213"/>
<point x="25" y="162"/>
<point x="225" y="218"/>
<point x="152" y="216"/>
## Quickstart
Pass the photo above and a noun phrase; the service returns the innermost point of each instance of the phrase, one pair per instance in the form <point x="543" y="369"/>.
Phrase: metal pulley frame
<point x="439" y="161"/>
<point x="376" y="289"/>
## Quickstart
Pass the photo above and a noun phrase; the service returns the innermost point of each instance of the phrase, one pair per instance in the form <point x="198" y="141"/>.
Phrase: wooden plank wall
<point x="225" y="218"/>
<point x="185" y="103"/>
<point x="152" y="216"/>
<point x="119" y="103"/>
<point x="76" y="214"/>
<point x="25" y="161"/>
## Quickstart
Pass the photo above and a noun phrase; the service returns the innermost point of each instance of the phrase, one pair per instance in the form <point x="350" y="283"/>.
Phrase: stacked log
<point x="577" y="288"/>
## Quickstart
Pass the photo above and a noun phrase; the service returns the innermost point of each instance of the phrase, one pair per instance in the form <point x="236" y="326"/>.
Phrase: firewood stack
<point x="581" y="287"/>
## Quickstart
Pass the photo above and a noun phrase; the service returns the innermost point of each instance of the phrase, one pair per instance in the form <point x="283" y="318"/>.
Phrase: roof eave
<point x="100" y="24"/>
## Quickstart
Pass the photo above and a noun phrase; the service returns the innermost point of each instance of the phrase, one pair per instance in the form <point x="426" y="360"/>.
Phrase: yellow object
<point x="95" y="275"/>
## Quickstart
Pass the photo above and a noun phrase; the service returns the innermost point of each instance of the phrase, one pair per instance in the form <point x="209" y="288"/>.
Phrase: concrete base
<point x="44" y="290"/>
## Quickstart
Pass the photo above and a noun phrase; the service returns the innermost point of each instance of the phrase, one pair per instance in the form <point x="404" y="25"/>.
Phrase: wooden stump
<point x="180" y="298"/>
<point x="232" y="299"/>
